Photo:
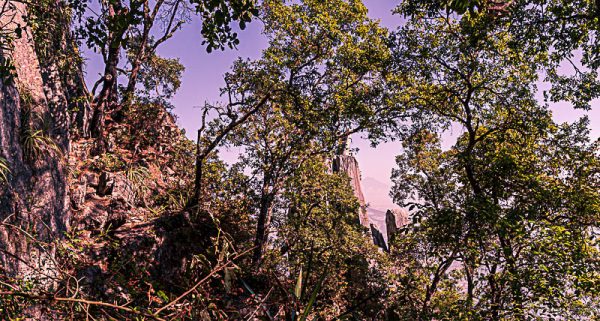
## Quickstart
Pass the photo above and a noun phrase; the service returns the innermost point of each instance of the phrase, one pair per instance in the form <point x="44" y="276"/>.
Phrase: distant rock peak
<point x="349" y="165"/>
<point x="393" y="219"/>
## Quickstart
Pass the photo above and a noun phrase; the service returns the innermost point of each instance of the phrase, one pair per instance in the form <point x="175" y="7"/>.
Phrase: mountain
<point x="377" y="194"/>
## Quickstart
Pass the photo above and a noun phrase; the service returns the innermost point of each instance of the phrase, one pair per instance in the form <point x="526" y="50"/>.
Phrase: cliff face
<point x="394" y="220"/>
<point x="348" y="164"/>
<point x="33" y="199"/>
<point x="378" y="238"/>
<point x="53" y="185"/>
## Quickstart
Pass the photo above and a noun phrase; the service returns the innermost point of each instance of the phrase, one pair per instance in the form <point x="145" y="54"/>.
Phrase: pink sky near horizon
<point x="204" y="76"/>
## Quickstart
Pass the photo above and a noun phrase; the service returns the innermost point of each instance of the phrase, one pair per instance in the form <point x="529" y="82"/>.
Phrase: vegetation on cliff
<point x="109" y="212"/>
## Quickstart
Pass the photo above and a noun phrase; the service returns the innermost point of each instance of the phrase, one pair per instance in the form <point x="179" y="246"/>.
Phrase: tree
<point x="321" y="245"/>
<point x="510" y="211"/>
<point x="556" y="35"/>
<point x="244" y="100"/>
<point x="320" y="79"/>
<point x="160" y="79"/>
<point x="172" y="15"/>
<point x="119" y="23"/>
<point x="274" y="149"/>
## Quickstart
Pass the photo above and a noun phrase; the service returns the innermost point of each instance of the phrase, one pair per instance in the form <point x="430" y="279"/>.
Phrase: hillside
<point x="109" y="211"/>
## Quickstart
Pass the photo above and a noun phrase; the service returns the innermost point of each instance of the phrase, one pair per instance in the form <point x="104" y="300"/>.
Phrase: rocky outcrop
<point x="378" y="238"/>
<point x="117" y="186"/>
<point x="345" y="163"/>
<point x="394" y="220"/>
<point x="34" y="200"/>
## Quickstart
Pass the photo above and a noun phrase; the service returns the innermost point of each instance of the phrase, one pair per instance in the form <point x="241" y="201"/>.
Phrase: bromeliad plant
<point x="138" y="176"/>
<point x="34" y="138"/>
<point x="4" y="170"/>
<point x="36" y="143"/>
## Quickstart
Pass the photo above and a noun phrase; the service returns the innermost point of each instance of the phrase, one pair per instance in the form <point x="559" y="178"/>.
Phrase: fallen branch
<point x="261" y="305"/>
<point x="213" y="272"/>
<point x="83" y="301"/>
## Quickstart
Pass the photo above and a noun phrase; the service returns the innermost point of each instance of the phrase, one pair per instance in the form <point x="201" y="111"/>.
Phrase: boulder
<point x="117" y="186"/>
<point x="117" y="215"/>
<point x="101" y="215"/>
<point x="123" y="189"/>
<point x="78" y="192"/>
<point x="92" y="179"/>
<point x="378" y="237"/>
<point x="395" y="219"/>
<point x="105" y="184"/>
<point x="95" y="215"/>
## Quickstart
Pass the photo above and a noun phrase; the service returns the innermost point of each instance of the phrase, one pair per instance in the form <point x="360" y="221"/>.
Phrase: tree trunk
<point x="515" y="283"/>
<point x="197" y="194"/>
<point x="495" y="294"/>
<point x="77" y="92"/>
<point x="107" y="97"/>
<point x="136" y="64"/>
<point x="131" y="83"/>
<point x="78" y="96"/>
<point x="107" y="100"/>
<point x="264" y="221"/>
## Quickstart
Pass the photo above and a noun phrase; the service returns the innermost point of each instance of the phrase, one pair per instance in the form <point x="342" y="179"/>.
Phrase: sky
<point x="204" y="76"/>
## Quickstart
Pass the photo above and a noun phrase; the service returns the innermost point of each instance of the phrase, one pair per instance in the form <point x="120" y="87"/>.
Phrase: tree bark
<point x="264" y="221"/>
<point x="108" y="97"/>
<point x="203" y="152"/>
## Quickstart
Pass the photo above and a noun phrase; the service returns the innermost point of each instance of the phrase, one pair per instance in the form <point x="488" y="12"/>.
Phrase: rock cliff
<point x="345" y="163"/>
<point x="33" y="144"/>
<point x="378" y="238"/>
<point x="395" y="219"/>
<point x="64" y="212"/>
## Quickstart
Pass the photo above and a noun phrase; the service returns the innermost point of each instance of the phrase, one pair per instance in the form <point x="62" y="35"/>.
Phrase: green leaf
<point x="313" y="297"/>
<point x="298" y="290"/>
<point x="162" y="296"/>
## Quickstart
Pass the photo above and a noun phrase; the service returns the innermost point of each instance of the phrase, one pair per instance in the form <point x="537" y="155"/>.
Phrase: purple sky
<point x="204" y="76"/>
